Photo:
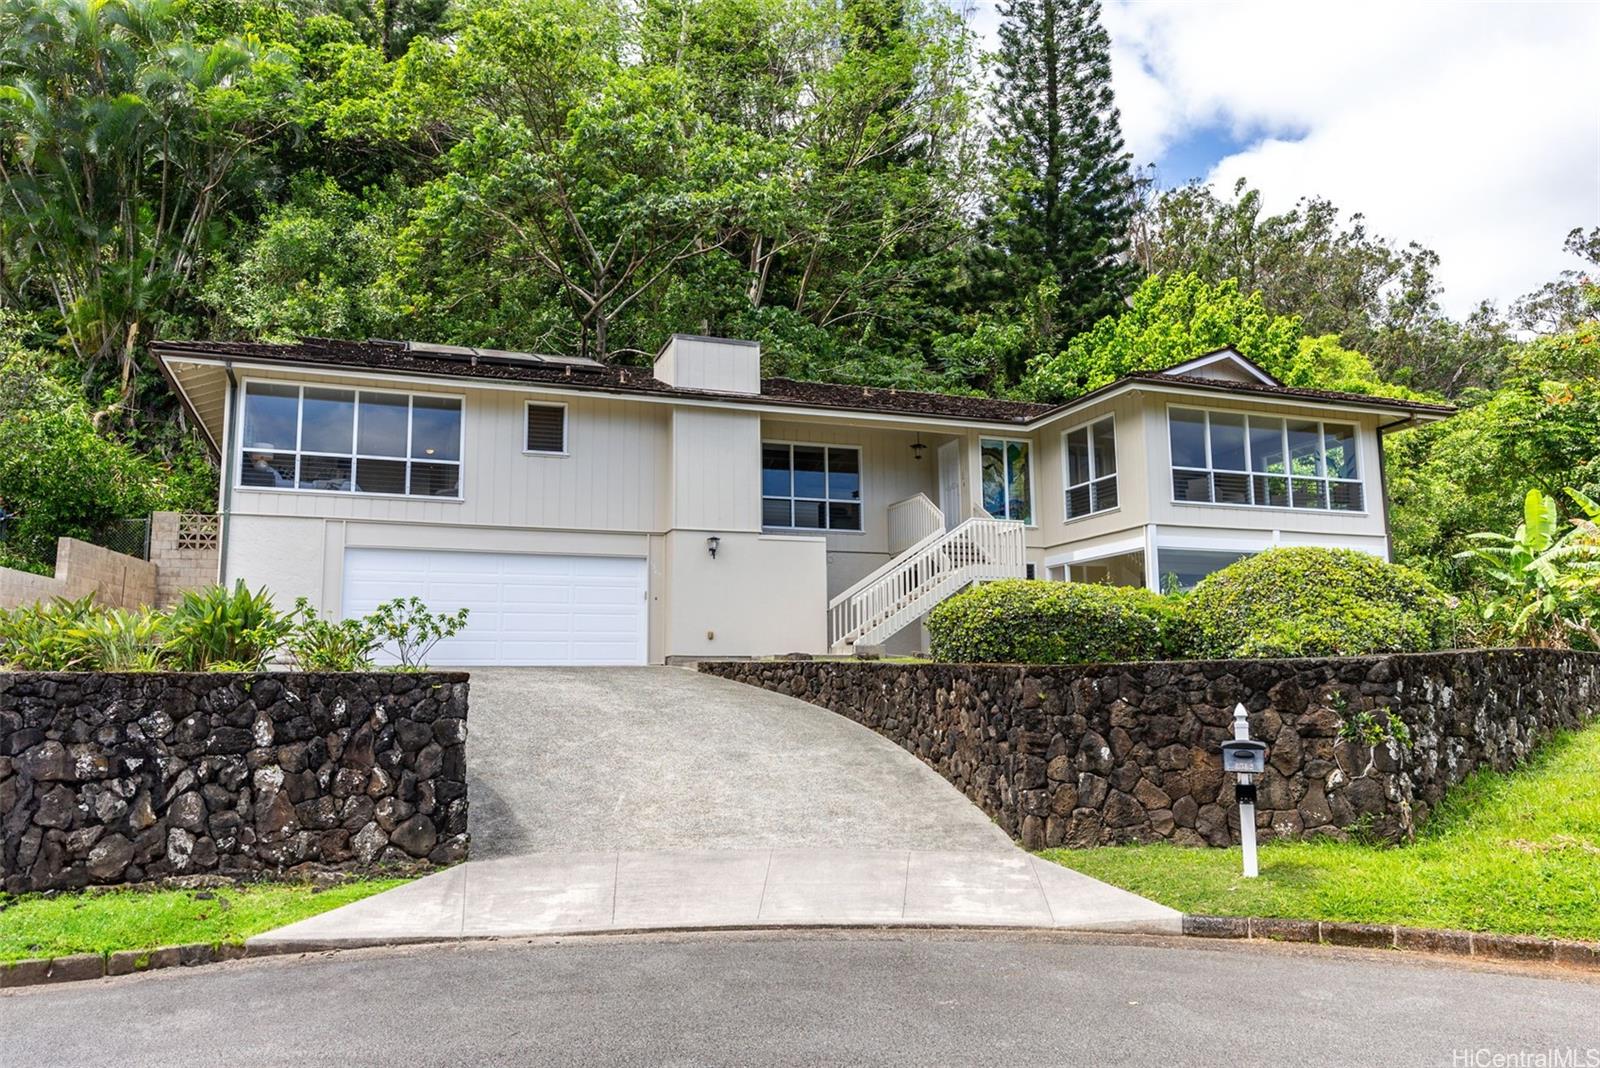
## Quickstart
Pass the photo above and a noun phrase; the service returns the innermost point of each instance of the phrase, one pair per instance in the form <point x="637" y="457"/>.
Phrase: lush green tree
<point x="1064" y="192"/>
<point x="1169" y="320"/>
<point x="60" y="474"/>
<point x="1543" y="579"/>
<point x="313" y="267"/>
<point x="1573" y="298"/>
<point x="1539" y="430"/>
<point x="124" y="143"/>
<point x="1374" y="294"/>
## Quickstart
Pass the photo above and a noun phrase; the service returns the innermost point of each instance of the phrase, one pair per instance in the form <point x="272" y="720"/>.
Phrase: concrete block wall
<point x="185" y="549"/>
<point x="117" y="581"/>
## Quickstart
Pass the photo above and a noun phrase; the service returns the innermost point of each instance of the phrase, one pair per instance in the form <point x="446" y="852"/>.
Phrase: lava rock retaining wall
<point x="1103" y="753"/>
<point x="113" y="778"/>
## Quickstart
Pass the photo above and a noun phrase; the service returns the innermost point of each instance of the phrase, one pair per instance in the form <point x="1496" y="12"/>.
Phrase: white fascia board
<point x="1228" y="355"/>
<point x="1192" y="393"/>
<point x="1098" y="551"/>
<point x="852" y="415"/>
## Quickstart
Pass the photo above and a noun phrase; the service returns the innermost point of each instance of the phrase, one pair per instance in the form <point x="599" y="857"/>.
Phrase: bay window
<point x="1265" y="461"/>
<point x="341" y="440"/>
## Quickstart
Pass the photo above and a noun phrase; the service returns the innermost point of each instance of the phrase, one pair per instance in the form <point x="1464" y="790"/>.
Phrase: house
<point x="593" y="514"/>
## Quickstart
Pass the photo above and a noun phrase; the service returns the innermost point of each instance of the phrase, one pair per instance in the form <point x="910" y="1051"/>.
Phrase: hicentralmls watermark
<point x="1568" y="1057"/>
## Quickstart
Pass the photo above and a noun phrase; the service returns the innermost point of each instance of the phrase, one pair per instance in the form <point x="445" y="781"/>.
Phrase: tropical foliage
<point x="215" y="629"/>
<point x="1543" y="580"/>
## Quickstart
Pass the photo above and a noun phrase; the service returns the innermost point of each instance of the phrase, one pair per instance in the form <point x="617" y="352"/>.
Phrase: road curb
<point x="1393" y="936"/>
<point x="85" y="966"/>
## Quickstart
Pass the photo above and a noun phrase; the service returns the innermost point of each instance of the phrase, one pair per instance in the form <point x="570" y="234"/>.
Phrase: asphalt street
<point x="815" y="998"/>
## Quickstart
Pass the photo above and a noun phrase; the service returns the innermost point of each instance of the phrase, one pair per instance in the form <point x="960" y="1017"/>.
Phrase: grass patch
<point x="39" y="925"/>
<point x="1514" y="853"/>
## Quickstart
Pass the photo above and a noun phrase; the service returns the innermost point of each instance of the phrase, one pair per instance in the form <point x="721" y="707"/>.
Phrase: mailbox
<point x="1244" y="757"/>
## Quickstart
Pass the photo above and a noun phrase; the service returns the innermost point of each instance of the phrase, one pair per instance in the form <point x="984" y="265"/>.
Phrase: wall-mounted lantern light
<point x="711" y="545"/>
<point x="917" y="447"/>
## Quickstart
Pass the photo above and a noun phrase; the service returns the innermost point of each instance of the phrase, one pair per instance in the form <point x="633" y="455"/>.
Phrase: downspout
<point x="1383" y="482"/>
<point x="230" y="452"/>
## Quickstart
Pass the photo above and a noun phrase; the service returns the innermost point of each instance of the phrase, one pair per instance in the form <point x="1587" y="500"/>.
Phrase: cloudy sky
<point x="1473" y="128"/>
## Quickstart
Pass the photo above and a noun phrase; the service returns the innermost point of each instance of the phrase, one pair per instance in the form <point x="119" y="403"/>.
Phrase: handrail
<point x="917" y="515"/>
<point x="873" y="576"/>
<point x="978" y="549"/>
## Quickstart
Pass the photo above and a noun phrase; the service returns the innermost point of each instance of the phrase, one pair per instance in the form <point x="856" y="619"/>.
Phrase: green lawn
<point x="37" y="925"/>
<point x="1517" y="853"/>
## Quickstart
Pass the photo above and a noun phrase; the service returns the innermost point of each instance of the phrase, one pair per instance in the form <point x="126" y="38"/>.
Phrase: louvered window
<point x="547" y="428"/>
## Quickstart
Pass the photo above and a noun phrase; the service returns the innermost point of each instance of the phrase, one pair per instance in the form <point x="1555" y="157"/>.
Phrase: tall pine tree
<point x="1064" y="191"/>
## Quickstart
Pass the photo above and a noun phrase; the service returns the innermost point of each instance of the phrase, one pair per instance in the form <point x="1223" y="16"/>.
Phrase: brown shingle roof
<point x="393" y="357"/>
<point x="1229" y="386"/>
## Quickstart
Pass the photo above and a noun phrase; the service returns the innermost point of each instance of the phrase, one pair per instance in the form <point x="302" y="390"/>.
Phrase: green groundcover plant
<point x="1053" y="623"/>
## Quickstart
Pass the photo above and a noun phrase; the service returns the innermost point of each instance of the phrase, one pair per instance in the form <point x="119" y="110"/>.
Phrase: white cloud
<point x="1473" y="128"/>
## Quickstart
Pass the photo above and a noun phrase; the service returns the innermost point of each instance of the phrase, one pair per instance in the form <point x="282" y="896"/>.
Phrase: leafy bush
<point x="62" y="473"/>
<point x="1311" y="601"/>
<point x="319" y="644"/>
<point x="411" y="629"/>
<point x="1033" y="622"/>
<point x="118" y="640"/>
<point x="216" y="626"/>
<point x="39" y="637"/>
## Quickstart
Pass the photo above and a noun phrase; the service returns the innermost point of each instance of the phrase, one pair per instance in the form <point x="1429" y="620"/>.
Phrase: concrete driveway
<point x="657" y="798"/>
<point x="586" y="760"/>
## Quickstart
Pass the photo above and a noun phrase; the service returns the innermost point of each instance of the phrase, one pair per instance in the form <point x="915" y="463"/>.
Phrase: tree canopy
<point x="846" y="181"/>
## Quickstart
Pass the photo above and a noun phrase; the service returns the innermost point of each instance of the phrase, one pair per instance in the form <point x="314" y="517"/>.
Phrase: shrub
<point x="39" y="637"/>
<point x="411" y="630"/>
<point x="118" y="640"/>
<point x="1033" y="622"/>
<point x="216" y="626"/>
<point x="1310" y="601"/>
<point x="319" y="644"/>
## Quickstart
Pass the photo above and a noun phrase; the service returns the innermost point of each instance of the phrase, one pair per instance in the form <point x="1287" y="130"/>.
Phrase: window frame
<point x="1067" y="485"/>
<point x="301" y="385"/>
<point x="860" y="501"/>
<point x="1249" y="472"/>
<point x="566" y="428"/>
<point x="1032" y="522"/>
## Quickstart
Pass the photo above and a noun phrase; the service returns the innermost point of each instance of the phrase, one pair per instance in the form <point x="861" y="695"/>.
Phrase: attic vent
<point x="547" y="428"/>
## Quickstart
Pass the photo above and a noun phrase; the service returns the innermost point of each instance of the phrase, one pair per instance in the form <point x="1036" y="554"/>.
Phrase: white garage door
<point x="525" y="608"/>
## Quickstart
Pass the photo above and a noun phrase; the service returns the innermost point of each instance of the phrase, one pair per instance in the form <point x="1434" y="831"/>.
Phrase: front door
<point x="950" y="483"/>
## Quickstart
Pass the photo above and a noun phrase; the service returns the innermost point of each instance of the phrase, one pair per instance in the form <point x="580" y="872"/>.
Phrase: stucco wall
<point x="1095" y="754"/>
<point x="762" y="594"/>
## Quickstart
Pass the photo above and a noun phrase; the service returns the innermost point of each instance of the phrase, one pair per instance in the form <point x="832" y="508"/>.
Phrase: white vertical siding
<point x="614" y="477"/>
<point x="890" y="472"/>
<point x="716" y="469"/>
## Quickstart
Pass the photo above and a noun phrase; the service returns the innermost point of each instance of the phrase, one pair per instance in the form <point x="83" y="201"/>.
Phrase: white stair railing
<point x="937" y="567"/>
<point x="912" y="520"/>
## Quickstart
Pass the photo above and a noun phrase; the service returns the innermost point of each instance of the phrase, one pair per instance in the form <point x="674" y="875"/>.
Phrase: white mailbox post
<point x="1246" y="759"/>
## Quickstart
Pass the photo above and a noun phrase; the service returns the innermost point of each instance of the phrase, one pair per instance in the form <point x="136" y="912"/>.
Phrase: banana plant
<point x="1544" y="578"/>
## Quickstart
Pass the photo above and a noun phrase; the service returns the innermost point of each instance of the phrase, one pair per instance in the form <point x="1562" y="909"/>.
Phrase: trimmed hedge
<point x="1310" y="601"/>
<point x="1036" y="622"/>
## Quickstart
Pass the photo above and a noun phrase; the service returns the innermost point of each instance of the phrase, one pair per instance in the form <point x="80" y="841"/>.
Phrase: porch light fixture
<point x="711" y="545"/>
<point x="917" y="447"/>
